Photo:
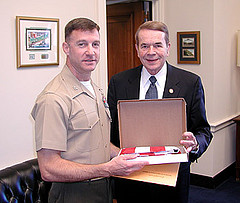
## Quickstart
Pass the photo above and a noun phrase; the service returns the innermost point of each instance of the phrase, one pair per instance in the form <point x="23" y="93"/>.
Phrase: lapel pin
<point x="170" y="91"/>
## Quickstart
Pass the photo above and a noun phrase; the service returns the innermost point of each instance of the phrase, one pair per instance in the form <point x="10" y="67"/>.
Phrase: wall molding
<point x="213" y="182"/>
<point x="224" y="123"/>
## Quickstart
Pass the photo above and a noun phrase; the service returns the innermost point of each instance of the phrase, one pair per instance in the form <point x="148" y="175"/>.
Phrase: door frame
<point x="158" y="10"/>
<point x="99" y="76"/>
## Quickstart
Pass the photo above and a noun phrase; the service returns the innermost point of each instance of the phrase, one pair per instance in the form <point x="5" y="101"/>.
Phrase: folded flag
<point x="151" y="151"/>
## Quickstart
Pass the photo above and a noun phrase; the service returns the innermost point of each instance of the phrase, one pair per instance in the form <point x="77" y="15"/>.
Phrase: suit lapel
<point x="132" y="89"/>
<point x="172" y="88"/>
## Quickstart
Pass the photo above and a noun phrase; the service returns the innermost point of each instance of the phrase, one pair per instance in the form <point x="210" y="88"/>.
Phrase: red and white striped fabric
<point x="150" y="151"/>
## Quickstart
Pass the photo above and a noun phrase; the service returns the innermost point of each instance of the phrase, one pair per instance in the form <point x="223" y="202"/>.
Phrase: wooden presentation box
<point x="153" y="123"/>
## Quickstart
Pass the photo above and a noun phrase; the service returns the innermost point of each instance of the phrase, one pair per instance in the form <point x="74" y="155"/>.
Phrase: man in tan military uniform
<point x="72" y="124"/>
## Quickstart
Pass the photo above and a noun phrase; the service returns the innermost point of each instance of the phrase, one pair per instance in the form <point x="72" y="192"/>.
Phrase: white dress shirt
<point x="145" y="82"/>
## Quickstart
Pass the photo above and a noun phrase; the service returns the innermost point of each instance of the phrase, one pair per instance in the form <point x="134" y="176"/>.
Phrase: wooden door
<point x="122" y="23"/>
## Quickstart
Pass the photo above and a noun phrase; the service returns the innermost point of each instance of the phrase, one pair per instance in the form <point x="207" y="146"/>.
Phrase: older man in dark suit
<point x="152" y="45"/>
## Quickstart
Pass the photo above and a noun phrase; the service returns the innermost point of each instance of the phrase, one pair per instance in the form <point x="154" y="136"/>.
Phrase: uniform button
<point x="105" y="146"/>
<point x="75" y="87"/>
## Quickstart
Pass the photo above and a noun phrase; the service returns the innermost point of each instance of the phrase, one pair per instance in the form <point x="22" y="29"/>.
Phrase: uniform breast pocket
<point x="85" y="132"/>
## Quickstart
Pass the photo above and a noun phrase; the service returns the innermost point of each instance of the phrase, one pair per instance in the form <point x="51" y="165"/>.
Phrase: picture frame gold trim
<point x="37" y="41"/>
<point x="188" y="47"/>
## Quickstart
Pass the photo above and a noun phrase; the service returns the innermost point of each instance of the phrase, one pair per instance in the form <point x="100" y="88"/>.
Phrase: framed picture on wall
<point x="188" y="47"/>
<point x="37" y="41"/>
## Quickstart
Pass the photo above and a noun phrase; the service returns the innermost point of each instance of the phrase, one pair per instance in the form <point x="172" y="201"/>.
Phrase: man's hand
<point x="120" y="166"/>
<point x="56" y="169"/>
<point x="189" y="141"/>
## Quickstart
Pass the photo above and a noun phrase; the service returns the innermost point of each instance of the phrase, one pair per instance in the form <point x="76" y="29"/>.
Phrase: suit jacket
<point x="179" y="84"/>
<point x="126" y="85"/>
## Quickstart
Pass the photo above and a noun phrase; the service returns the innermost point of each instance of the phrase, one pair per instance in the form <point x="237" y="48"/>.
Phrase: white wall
<point x="218" y="21"/>
<point x="226" y="74"/>
<point x="218" y="68"/>
<point x="20" y="87"/>
<point x="220" y="154"/>
<point x="188" y="15"/>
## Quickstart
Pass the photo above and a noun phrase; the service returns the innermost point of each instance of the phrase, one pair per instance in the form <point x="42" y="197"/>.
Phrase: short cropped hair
<point x="83" y="24"/>
<point x="153" y="25"/>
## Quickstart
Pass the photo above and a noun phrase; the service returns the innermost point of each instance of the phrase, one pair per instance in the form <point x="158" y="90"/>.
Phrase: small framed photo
<point x="37" y="41"/>
<point x="188" y="47"/>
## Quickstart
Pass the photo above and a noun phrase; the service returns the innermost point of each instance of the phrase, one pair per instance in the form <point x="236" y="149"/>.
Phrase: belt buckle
<point x="94" y="179"/>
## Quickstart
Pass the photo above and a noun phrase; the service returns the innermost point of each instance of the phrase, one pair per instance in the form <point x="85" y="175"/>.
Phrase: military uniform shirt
<point x="68" y="118"/>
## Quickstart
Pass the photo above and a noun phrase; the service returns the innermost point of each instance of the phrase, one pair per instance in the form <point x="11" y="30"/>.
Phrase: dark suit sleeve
<point x="197" y="121"/>
<point x="112" y="102"/>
